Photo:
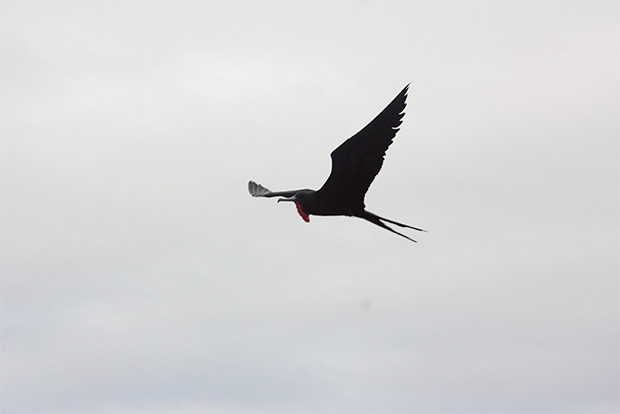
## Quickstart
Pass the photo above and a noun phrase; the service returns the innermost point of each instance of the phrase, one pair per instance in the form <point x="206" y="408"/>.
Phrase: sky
<point x="139" y="276"/>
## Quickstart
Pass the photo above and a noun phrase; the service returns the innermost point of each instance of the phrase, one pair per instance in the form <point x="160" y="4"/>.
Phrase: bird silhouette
<point x="355" y="163"/>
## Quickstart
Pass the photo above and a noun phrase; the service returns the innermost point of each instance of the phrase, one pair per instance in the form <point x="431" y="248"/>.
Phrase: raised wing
<point x="357" y="161"/>
<point x="257" y="190"/>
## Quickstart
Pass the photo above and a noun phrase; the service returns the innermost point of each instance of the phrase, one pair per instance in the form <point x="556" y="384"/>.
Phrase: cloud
<point x="139" y="276"/>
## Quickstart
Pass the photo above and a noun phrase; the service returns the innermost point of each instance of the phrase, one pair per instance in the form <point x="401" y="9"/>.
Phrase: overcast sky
<point x="139" y="276"/>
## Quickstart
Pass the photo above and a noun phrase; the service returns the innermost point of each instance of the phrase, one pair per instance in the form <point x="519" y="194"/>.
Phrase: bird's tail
<point x="379" y="221"/>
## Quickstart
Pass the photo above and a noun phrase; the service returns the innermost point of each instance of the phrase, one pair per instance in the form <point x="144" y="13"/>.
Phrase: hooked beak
<point x="287" y="199"/>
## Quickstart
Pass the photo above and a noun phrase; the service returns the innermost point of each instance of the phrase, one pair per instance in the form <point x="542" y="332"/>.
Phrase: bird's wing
<point x="257" y="190"/>
<point x="357" y="161"/>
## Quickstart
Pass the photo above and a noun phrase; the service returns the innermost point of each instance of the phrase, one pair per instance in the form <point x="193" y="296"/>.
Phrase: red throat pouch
<point x="302" y="213"/>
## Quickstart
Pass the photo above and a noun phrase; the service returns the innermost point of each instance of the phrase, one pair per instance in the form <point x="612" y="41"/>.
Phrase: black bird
<point x="355" y="163"/>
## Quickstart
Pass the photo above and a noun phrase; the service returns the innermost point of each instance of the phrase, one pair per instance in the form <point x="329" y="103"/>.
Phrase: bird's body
<point x="355" y="163"/>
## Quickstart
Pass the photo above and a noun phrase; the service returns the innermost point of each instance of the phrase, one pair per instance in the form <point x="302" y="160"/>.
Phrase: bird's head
<point x="303" y="200"/>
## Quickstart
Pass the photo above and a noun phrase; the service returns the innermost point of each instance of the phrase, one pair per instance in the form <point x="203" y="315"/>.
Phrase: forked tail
<point x="379" y="221"/>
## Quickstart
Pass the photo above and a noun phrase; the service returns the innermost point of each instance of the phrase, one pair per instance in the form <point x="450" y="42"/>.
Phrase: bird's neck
<point x="302" y="212"/>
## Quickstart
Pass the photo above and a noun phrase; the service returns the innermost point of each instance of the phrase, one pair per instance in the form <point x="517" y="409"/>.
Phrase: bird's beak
<point x="287" y="199"/>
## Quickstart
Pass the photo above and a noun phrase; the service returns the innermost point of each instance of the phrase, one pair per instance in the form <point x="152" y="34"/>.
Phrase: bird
<point x="355" y="164"/>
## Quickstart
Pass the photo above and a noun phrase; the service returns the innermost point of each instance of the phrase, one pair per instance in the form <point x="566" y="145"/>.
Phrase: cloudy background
<point x="138" y="275"/>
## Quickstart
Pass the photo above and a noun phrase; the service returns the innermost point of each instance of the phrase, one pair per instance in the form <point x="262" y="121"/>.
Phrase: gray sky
<point x="138" y="275"/>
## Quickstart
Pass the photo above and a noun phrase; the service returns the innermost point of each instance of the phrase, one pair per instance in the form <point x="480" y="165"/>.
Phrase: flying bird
<point x="355" y="163"/>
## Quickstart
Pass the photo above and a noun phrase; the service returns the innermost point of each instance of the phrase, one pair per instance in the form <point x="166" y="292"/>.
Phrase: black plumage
<point x="355" y="163"/>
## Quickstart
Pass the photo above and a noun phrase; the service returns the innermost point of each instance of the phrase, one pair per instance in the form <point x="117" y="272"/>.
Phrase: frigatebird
<point x="355" y="163"/>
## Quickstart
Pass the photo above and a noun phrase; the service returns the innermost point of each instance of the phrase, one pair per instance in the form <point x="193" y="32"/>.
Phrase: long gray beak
<point x="287" y="199"/>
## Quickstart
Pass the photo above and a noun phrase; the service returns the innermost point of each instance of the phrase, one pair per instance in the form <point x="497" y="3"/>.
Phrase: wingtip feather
<point x="257" y="190"/>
